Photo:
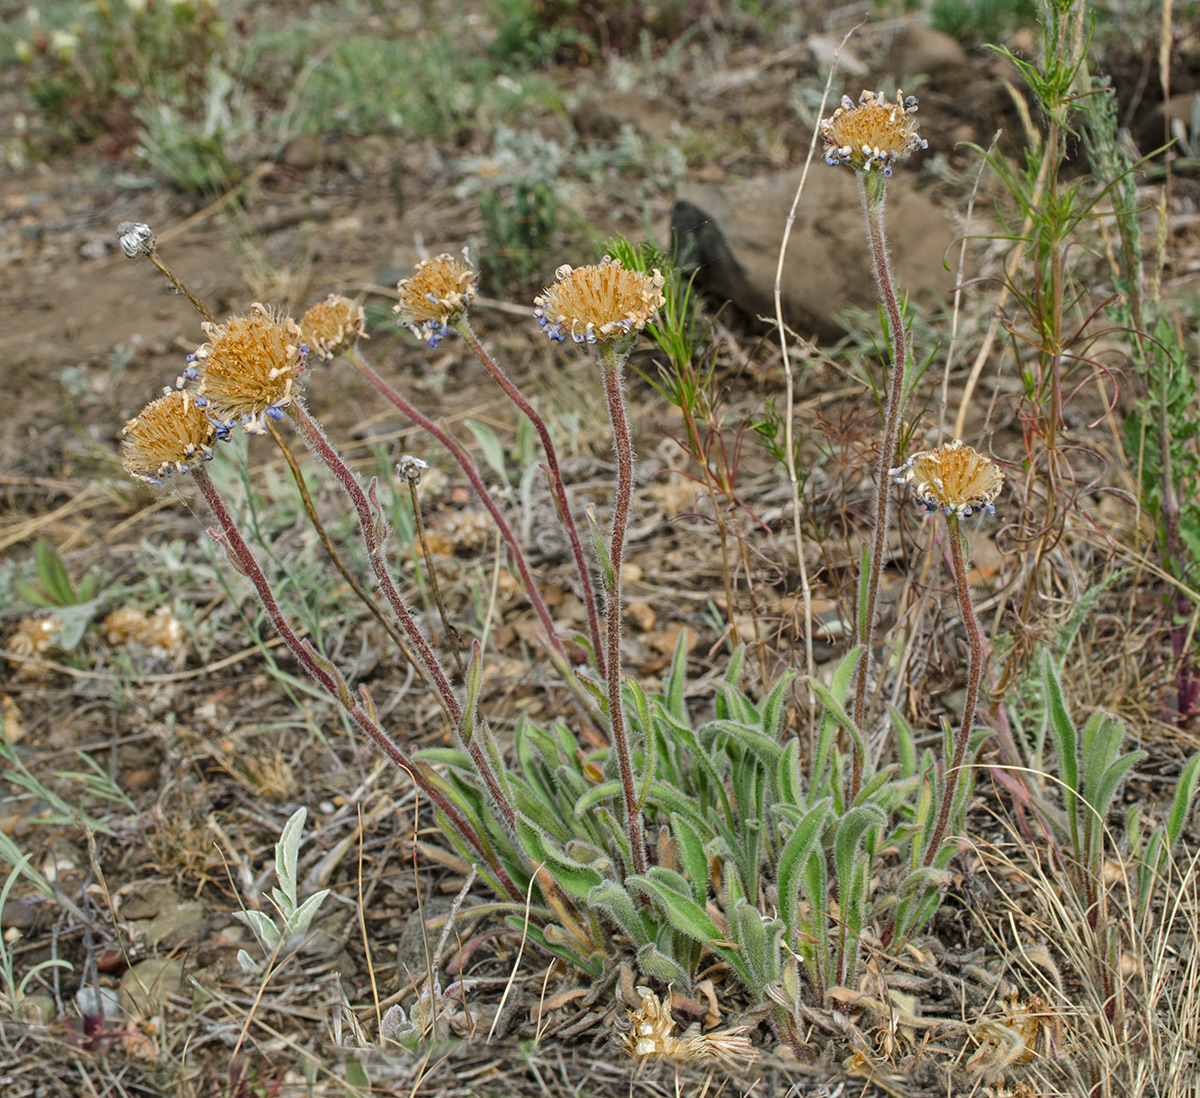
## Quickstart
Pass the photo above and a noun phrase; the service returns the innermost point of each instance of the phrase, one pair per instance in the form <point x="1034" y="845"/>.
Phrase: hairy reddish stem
<point x="472" y="473"/>
<point x="332" y="682"/>
<point x="872" y="187"/>
<point x="623" y="448"/>
<point x="556" y="485"/>
<point x="974" y="674"/>
<point x="370" y="521"/>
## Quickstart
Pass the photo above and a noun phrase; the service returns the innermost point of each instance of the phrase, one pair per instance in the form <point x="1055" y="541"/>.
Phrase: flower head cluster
<point x="437" y="296"/>
<point x="333" y="326"/>
<point x="250" y="366"/>
<point x="602" y="302"/>
<point x="872" y="134"/>
<point x="167" y="437"/>
<point x="954" y="479"/>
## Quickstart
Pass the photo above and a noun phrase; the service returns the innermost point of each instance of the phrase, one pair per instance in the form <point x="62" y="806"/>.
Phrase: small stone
<point x="145" y="986"/>
<point x="38" y="1009"/>
<point x="641" y="616"/>
<point x="182" y="924"/>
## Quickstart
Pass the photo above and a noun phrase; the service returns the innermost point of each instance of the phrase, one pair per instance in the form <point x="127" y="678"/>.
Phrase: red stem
<point x="472" y="473"/>
<point x="556" y="484"/>
<point x="332" y="682"/>
<point x="623" y="449"/>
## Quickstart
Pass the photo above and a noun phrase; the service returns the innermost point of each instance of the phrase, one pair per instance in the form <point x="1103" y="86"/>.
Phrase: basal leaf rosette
<point x="600" y="303"/>
<point x="436" y="296"/>
<point x="168" y="437"/>
<point x="872" y="134"/>
<point x="953" y="479"/>
<point x="250" y="366"/>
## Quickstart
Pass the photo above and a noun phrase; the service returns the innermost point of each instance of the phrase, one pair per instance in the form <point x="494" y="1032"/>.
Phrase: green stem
<point x="611" y="364"/>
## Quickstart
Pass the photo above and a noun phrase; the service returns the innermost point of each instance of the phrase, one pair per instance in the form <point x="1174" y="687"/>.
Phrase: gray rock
<point x="180" y="924"/>
<point x="731" y="233"/>
<point x="923" y="51"/>
<point x="148" y="983"/>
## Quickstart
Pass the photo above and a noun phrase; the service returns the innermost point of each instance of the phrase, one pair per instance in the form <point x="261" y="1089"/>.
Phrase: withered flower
<point x="953" y="478"/>
<point x="249" y="367"/>
<point x="333" y="326"/>
<point x="872" y="134"/>
<point x="167" y="437"/>
<point x="597" y="303"/>
<point x="438" y="294"/>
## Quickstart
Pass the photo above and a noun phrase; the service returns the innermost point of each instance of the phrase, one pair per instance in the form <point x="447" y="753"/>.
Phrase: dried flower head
<point x="872" y="134"/>
<point x="333" y="326"/>
<point x="160" y="632"/>
<point x="651" y="1035"/>
<point x="168" y="436"/>
<point x="250" y="366"/>
<point x="953" y="478"/>
<point x="597" y="303"/>
<point x="438" y="294"/>
<point x="34" y="639"/>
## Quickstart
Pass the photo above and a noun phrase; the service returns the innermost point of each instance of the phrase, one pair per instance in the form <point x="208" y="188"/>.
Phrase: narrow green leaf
<point x="618" y="905"/>
<point x="690" y="848"/>
<point x="1185" y="796"/>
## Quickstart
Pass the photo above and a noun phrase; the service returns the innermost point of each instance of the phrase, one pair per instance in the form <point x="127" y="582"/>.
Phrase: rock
<point x="923" y="51"/>
<point x="148" y="983"/>
<point x="147" y="901"/>
<point x="180" y="924"/>
<point x="1179" y="114"/>
<point x="37" y="1009"/>
<point x="602" y="116"/>
<point x="731" y="234"/>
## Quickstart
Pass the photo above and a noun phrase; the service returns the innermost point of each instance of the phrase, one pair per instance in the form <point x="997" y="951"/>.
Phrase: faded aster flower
<point x="135" y="238"/>
<point x="651" y="1035"/>
<point x="250" y="366"/>
<point x="167" y="437"/>
<point x="438" y="294"/>
<point x="333" y="326"/>
<point x="603" y="302"/>
<point x="872" y="134"/>
<point x="954" y="479"/>
<point x="34" y="639"/>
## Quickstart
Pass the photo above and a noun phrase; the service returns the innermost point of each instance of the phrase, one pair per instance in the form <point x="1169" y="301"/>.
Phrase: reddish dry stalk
<point x="472" y="473"/>
<point x="373" y="537"/>
<point x="623" y="449"/>
<point x="331" y="682"/>
<point x="974" y="674"/>
<point x="872" y="187"/>
<point x="556" y="484"/>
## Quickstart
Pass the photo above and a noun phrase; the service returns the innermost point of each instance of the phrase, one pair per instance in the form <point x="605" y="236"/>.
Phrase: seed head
<point x="953" y="478"/>
<point x="167" y="437"/>
<point x="333" y="326"/>
<point x="602" y="302"/>
<point x="249" y="367"/>
<point x="438" y="294"/>
<point x="872" y="134"/>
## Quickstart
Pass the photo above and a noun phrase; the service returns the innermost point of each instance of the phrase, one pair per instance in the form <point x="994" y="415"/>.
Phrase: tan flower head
<point x="250" y="366"/>
<point x="437" y="295"/>
<point x="167" y="437"/>
<point x="953" y="478"/>
<point x="333" y="326"/>
<point x="652" y="1036"/>
<point x="34" y="639"/>
<point x="872" y="134"/>
<point x="597" y="303"/>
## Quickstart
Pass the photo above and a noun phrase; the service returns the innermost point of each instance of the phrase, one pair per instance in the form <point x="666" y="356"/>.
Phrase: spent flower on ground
<point x="953" y="478"/>
<point x="872" y="134"/>
<point x="598" y="303"/>
<point x="437" y="296"/>
<point x="249" y="367"/>
<point x="170" y="435"/>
